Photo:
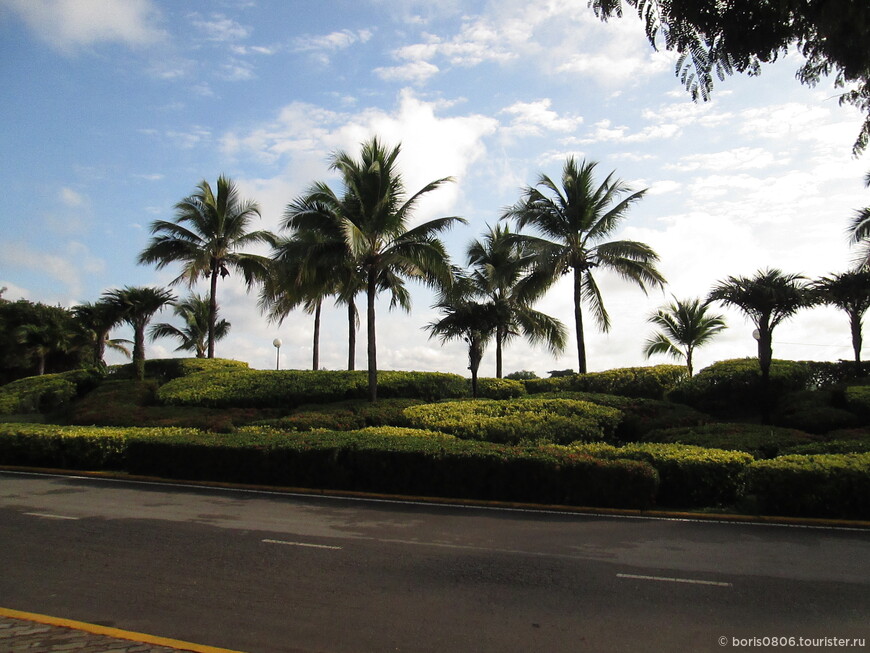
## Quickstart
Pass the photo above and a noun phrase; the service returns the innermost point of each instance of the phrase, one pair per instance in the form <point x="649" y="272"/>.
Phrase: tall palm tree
<point x="468" y="315"/>
<point x="685" y="326"/>
<point x="500" y="267"/>
<point x="373" y="216"/>
<point x="44" y="339"/>
<point x="137" y="305"/>
<point x="575" y="219"/>
<point x="859" y="231"/>
<point x="767" y="299"/>
<point x="850" y="292"/>
<point x="96" y="320"/>
<point x="208" y="233"/>
<point x="193" y="336"/>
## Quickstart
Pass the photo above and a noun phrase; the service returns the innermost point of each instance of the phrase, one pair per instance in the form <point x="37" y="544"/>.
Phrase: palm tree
<point x="767" y="299"/>
<point x="859" y="231"/>
<point x="575" y="220"/>
<point x="208" y="232"/>
<point x="850" y="292"/>
<point x="44" y="339"/>
<point x="137" y="305"/>
<point x="500" y="265"/>
<point x="466" y="317"/>
<point x="96" y="320"/>
<point x="193" y="336"/>
<point x="373" y="217"/>
<point x="685" y="326"/>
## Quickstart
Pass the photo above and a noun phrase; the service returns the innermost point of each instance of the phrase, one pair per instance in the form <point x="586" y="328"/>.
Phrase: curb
<point x="114" y="633"/>
<point x="767" y="520"/>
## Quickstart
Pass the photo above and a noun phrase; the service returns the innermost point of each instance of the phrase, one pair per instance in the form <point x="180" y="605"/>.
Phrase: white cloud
<point x="71" y="198"/>
<point x="416" y="72"/>
<point x="533" y="118"/>
<point x="71" y="24"/>
<point x="219" y="28"/>
<point x="65" y="267"/>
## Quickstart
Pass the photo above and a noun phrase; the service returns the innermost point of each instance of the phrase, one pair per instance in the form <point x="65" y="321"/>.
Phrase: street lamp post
<point x="277" y="343"/>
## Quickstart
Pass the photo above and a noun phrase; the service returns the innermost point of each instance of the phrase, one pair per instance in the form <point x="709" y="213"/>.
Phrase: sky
<point x="114" y="110"/>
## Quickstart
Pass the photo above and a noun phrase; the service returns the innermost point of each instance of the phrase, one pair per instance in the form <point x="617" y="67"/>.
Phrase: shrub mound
<point x="758" y="440"/>
<point x="370" y="460"/>
<point x="690" y="476"/>
<point x="46" y="393"/>
<point x="833" y="485"/>
<point x="813" y="411"/>
<point x="511" y="421"/>
<point x="345" y="415"/>
<point x="489" y="388"/>
<point x="291" y="388"/>
<point x="166" y="369"/>
<point x="649" y="382"/>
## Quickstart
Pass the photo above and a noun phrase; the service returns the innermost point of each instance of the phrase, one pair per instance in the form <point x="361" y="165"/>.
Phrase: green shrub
<point x="840" y="441"/>
<point x="46" y="393"/>
<point x="521" y="375"/>
<point x="812" y="411"/>
<point x="402" y="432"/>
<point x="858" y="400"/>
<point x="535" y="420"/>
<point x="834" y="485"/>
<point x="640" y="416"/>
<point x="759" y="440"/>
<point x="649" y="382"/>
<point x="689" y="476"/>
<point x="733" y="386"/>
<point x="825" y="374"/>
<point x="290" y="388"/>
<point x="488" y="388"/>
<point x="335" y="420"/>
<point x="166" y="369"/>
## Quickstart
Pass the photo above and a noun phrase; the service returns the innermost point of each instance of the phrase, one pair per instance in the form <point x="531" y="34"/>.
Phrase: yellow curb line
<point x="105" y="631"/>
<point x="809" y="522"/>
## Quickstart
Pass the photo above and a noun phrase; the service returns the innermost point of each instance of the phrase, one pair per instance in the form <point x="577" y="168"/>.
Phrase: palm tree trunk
<point x="372" y="343"/>
<point x="689" y="361"/>
<point x="498" y="343"/>
<point x="765" y="357"/>
<point x="475" y="355"/>
<point x="578" y="321"/>
<point x="139" y="351"/>
<point x="855" y="323"/>
<point x="41" y="366"/>
<point x="315" y="364"/>
<point x="212" y="309"/>
<point x="351" y="335"/>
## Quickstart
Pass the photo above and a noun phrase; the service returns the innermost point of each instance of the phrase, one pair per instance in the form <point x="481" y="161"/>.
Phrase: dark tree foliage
<point x="18" y="361"/>
<point x="716" y="38"/>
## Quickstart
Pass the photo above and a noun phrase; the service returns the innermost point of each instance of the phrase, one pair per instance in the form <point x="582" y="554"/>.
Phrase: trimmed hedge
<point x="489" y="388"/>
<point x="756" y="439"/>
<point x="858" y="400"/>
<point x="640" y="416"/>
<point x="290" y="388"/>
<point x="345" y="415"/>
<point x="649" y="382"/>
<point x="813" y="411"/>
<point x="166" y="369"/>
<point x="690" y="476"/>
<point x="46" y="393"/>
<point x="834" y="485"/>
<point x="365" y="461"/>
<point x="511" y="421"/>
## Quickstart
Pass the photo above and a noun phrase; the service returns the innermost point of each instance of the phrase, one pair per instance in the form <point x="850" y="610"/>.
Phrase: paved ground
<point x="17" y="635"/>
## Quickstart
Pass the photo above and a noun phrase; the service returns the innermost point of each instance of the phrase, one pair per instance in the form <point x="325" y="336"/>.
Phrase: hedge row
<point x="46" y="393"/>
<point x="759" y="440"/>
<point x="344" y="416"/>
<point x="650" y="382"/>
<point x="559" y="421"/>
<point x="375" y="460"/>
<point x="166" y="369"/>
<point x="690" y="476"/>
<point x="290" y="388"/>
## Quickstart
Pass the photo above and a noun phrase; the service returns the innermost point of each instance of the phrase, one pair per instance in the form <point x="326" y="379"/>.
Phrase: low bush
<point x="756" y="439"/>
<point x="46" y="393"/>
<point x="288" y="389"/>
<point x="813" y="411"/>
<point x="402" y="432"/>
<point x="833" y="485"/>
<point x="370" y="460"/>
<point x="858" y="400"/>
<point x="345" y="415"/>
<point x="689" y="476"/>
<point x="640" y="416"/>
<point x="488" y="388"/>
<point x="825" y="374"/>
<point x="841" y="441"/>
<point x="166" y="369"/>
<point x="733" y="386"/>
<point x="649" y="382"/>
<point x="512" y="421"/>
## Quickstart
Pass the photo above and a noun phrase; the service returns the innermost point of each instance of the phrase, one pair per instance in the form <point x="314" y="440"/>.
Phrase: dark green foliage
<point x="521" y="375"/>
<point x="734" y="386"/>
<point x="690" y="476"/>
<point x="489" y="388"/>
<point x="649" y="382"/>
<point x="374" y="461"/>
<point x="858" y="400"/>
<point x="557" y="421"/>
<point x="812" y="411"/>
<point x="639" y="415"/>
<point x="834" y="485"/>
<point x="288" y="389"/>
<point x="46" y="393"/>
<point x="166" y="369"/>
<point x="759" y="440"/>
<point x="824" y="374"/>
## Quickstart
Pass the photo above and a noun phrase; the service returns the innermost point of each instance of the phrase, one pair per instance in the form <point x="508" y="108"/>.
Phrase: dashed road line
<point x="667" y="579"/>
<point x="304" y="544"/>
<point x="46" y="515"/>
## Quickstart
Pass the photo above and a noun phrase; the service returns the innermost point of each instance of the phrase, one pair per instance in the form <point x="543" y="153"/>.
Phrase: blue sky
<point x="115" y="110"/>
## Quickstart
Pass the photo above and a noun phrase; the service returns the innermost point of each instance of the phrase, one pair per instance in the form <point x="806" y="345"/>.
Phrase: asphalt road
<point x="262" y="572"/>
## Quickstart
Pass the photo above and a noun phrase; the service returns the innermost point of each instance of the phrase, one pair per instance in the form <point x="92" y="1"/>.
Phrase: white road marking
<point x="50" y="516"/>
<point x="691" y="581"/>
<point x="305" y="544"/>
